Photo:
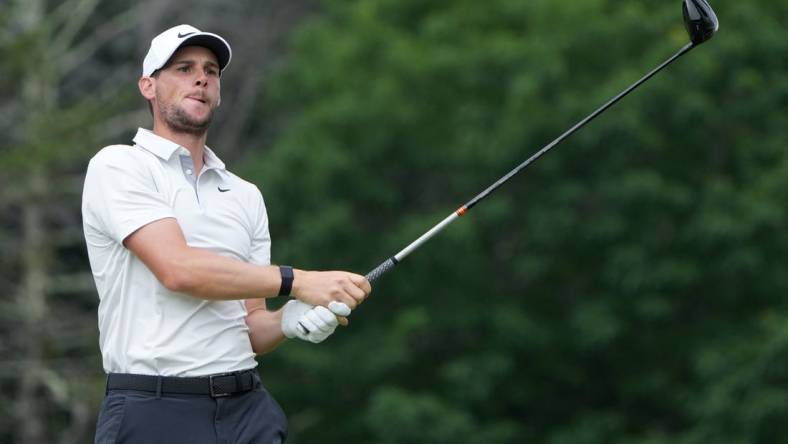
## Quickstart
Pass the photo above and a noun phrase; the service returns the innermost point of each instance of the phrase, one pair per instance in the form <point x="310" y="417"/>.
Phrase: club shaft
<point x="471" y="203"/>
<point x="388" y="264"/>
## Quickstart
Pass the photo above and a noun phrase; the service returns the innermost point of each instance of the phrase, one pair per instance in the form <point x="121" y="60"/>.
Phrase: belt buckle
<point x="211" y="386"/>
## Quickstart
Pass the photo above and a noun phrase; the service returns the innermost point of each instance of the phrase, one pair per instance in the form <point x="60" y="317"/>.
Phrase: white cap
<point x="164" y="45"/>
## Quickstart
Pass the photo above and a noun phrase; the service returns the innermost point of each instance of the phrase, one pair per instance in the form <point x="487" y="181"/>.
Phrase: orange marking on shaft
<point x="461" y="211"/>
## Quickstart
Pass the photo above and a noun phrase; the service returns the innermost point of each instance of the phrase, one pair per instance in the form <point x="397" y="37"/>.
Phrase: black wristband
<point x="286" y="272"/>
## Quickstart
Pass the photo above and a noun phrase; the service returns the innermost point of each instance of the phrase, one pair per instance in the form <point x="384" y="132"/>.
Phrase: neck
<point x="193" y="142"/>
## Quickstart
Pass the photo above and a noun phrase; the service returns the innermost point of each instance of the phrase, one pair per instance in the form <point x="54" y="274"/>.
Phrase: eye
<point x="183" y="68"/>
<point x="212" y="72"/>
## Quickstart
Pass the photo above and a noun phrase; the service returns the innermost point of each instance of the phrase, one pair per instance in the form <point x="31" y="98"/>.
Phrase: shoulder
<point x="114" y="154"/>
<point x="123" y="159"/>
<point x="120" y="156"/>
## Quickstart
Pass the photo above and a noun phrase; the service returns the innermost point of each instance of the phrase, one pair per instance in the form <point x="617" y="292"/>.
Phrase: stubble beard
<point x="180" y="121"/>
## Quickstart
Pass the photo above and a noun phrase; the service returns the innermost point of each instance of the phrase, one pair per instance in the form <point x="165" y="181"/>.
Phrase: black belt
<point x="216" y="386"/>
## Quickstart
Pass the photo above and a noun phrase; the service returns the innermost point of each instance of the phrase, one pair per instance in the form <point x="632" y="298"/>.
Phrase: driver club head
<point x="700" y="20"/>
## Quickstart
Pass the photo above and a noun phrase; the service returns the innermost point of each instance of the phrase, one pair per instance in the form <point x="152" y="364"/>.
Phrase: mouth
<point x="198" y="99"/>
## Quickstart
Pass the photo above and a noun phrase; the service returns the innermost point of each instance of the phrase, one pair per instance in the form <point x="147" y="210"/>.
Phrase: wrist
<point x="298" y="280"/>
<point x="290" y="313"/>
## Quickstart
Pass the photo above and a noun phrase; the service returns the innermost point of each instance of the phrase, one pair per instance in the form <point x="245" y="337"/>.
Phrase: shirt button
<point x="189" y="172"/>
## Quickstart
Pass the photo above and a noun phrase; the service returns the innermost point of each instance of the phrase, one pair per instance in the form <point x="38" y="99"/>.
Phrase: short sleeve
<point x="261" y="239"/>
<point x="120" y="195"/>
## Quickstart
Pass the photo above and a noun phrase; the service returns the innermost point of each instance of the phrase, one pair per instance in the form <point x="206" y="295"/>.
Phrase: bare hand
<point x="324" y="287"/>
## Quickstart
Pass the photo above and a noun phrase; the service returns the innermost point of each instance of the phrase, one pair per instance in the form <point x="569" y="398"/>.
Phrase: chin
<point x="198" y="115"/>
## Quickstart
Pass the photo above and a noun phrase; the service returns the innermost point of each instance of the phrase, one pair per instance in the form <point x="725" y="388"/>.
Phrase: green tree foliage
<point x="50" y="127"/>
<point x="628" y="288"/>
<point x="68" y="86"/>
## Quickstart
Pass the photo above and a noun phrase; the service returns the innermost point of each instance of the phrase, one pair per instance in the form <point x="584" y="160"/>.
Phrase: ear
<point x="147" y="87"/>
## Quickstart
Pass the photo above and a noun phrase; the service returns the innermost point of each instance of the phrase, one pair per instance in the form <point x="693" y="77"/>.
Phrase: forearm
<point x="208" y="275"/>
<point x="265" y="331"/>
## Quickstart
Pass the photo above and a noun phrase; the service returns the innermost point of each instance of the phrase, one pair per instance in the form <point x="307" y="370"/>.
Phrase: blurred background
<point x="630" y="287"/>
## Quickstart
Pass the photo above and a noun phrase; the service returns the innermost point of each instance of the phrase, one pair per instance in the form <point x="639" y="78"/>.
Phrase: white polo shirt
<point x="143" y="327"/>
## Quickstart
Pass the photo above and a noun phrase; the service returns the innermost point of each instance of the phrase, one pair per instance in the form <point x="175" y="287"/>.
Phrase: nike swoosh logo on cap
<point x="180" y="36"/>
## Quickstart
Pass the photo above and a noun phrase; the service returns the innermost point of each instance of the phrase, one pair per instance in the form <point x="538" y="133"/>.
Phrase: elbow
<point x="177" y="279"/>
<point x="173" y="283"/>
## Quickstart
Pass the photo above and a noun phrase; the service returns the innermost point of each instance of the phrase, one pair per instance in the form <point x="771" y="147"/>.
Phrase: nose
<point x="201" y="80"/>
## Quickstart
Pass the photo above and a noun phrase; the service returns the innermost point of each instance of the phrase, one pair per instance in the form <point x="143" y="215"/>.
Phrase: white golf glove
<point x="339" y="308"/>
<point x="308" y="322"/>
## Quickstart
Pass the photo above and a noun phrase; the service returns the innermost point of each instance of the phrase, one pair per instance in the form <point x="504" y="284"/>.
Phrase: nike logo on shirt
<point x="222" y="190"/>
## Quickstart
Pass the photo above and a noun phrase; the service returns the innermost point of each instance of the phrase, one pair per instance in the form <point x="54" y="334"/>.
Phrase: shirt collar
<point x="212" y="161"/>
<point x="165" y="148"/>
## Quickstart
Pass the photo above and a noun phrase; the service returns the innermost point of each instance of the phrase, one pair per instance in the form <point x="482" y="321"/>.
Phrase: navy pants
<point x="131" y="416"/>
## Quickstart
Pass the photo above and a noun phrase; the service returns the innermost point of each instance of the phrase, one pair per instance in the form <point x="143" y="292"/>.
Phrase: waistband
<point x="215" y="386"/>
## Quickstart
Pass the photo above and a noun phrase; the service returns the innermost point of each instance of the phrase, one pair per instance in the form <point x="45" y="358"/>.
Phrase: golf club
<point x="701" y="24"/>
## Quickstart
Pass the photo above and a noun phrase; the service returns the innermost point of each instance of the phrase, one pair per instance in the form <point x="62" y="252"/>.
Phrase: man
<point x="180" y="253"/>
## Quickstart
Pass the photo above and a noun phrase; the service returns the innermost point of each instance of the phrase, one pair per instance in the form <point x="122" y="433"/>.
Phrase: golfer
<point x="180" y="253"/>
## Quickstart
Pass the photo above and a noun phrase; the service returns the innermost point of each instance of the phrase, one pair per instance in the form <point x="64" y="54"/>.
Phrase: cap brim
<point x="214" y="43"/>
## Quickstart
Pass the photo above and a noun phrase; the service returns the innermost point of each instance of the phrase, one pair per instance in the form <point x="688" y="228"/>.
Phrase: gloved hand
<point x="339" y="308"/>
<point x="307" y="322"/>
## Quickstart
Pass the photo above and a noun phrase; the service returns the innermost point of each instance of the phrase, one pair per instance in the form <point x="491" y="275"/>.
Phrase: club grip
<point x="381" y="269"/>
